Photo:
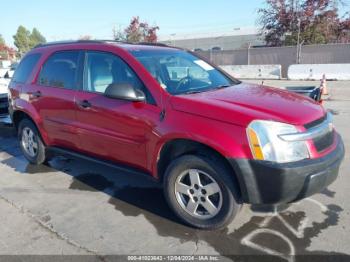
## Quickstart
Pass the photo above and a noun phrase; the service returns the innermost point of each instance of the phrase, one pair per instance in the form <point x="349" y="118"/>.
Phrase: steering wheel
<point x="183" y="81"/>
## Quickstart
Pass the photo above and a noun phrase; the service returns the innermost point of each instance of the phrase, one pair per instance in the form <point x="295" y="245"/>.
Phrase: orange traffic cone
<point x="324" y="85"/>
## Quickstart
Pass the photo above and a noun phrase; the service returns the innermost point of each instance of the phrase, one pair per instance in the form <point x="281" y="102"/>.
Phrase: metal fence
<point x="285" y="56"/>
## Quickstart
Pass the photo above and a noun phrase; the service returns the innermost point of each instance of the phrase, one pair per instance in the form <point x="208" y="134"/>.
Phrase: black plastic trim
<point x="120" y="167"/>
<point x="264" y="182"/>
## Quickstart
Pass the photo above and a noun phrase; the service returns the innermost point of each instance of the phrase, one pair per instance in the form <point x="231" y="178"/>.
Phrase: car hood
<point x="243" y="103"/>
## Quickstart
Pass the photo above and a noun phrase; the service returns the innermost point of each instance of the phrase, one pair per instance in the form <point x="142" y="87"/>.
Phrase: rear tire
<point x="201" y="192"/>
<point x="31" y="143"/>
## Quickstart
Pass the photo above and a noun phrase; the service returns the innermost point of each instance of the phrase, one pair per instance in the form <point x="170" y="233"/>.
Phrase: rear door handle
<point x="84" y="104"/>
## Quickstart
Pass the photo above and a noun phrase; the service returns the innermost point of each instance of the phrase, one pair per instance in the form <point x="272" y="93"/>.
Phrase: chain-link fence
<point x="285" y="56"/>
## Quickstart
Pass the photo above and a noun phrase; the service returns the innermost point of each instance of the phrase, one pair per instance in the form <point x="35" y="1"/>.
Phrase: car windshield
<point x="180" y="72"/>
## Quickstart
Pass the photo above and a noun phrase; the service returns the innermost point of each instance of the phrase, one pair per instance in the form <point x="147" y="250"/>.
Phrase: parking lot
<point x="74" y="207"/>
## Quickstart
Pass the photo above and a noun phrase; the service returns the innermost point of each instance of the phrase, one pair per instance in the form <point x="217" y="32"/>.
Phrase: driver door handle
<point x="84" y="104"/>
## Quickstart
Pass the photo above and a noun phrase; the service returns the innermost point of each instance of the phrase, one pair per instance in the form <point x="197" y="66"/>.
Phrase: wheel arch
<point x="178" y="147"/>
<point x="19" y="115"/>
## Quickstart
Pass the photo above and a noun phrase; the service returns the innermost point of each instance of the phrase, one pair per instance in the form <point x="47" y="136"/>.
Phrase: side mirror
<point x="124" y="91"/>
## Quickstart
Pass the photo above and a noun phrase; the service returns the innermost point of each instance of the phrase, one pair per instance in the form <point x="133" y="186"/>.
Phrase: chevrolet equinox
<point x="213" y="142"/>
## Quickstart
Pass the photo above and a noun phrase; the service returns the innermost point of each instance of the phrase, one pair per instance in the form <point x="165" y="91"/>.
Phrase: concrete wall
<point x="5" y="63"/>
<point x="254" y="71"/>
<point x="285" y="56"/>
<point x="3" y="72"/>
<point x="316" y="71"/>
<point x="4" y="86"/>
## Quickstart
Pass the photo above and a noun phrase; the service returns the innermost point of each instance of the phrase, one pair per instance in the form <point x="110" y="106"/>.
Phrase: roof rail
<point x="135" y="43"/>
<point x="155" y="44"/>
<point x="66" y="42"/>
<point x="96" y="42"/>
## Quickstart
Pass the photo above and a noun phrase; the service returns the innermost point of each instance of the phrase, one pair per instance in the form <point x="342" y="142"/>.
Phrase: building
<point x="236" y="39"/>
<point x="7" y="53"/>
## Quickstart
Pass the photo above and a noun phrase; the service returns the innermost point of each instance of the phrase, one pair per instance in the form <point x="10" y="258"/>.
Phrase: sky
<point x="70" y="19"/>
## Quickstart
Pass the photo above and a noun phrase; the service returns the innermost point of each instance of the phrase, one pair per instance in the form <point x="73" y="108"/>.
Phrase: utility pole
<point x="298" y="42"/>
<point x="296" y="12"/>
<point x="248" y="55"/>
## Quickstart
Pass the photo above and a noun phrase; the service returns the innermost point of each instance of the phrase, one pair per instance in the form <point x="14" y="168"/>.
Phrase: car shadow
<point x="15" y="158"/>
<point x="283" y="236"/>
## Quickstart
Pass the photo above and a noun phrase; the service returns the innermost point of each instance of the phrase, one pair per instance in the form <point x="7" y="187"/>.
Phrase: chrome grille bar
<point x="312" y="133"/>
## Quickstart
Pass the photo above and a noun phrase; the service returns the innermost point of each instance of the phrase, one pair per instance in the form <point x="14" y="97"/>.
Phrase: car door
<point x="53" y="96"/>
<point x="114" y="129"/>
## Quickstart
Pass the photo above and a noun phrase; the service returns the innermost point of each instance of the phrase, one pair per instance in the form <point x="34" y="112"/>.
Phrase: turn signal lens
<point x="255" y="145"/>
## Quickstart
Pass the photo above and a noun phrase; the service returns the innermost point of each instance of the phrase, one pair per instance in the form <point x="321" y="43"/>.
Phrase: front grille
<point x="316" y="122"/>
<point x="323" y="142"/>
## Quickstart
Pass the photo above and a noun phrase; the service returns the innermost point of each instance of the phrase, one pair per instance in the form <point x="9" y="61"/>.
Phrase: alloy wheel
<point x="198" y="194"/>
<point x="29" y="142"/>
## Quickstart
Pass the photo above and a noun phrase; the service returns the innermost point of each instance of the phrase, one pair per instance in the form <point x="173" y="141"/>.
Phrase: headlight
<point x="266" y="144"/>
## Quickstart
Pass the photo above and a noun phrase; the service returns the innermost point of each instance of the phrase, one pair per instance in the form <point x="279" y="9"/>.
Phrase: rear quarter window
<point x="25" y="68"/>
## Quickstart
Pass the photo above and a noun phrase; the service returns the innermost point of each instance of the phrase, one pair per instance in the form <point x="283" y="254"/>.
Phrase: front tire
<point x="31" y="143"/>
<point x="201" y="192"/>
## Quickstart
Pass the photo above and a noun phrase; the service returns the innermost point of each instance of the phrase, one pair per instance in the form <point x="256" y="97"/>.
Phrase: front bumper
<point x="264" y="182"/>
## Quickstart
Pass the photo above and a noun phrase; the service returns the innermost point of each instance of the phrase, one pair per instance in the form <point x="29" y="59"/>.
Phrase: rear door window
<point x="25" y="68"/>
<point x="61" y="70"/>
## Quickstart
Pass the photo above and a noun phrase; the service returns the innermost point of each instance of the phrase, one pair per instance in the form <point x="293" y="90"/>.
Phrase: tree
<point x="36" y="38"/>
<point x="344" y="32"/>
<point x="22" y="40"/>
<point x="140" y="32"/>
<point x="133" y="31"/>
<point x="119" y="34"/>
<point x="310" y="21"/>
<point x="150" y="34"/>
<point x="6" y="52"/>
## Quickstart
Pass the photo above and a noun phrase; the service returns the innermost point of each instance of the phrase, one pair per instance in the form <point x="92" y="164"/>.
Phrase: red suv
<point x="213" y="141"/>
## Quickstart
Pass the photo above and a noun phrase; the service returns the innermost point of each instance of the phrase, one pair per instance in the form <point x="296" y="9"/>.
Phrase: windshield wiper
<point x="204" y="90"/>
<point x="221" y="86"/>
<point x="193" y="92"/>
